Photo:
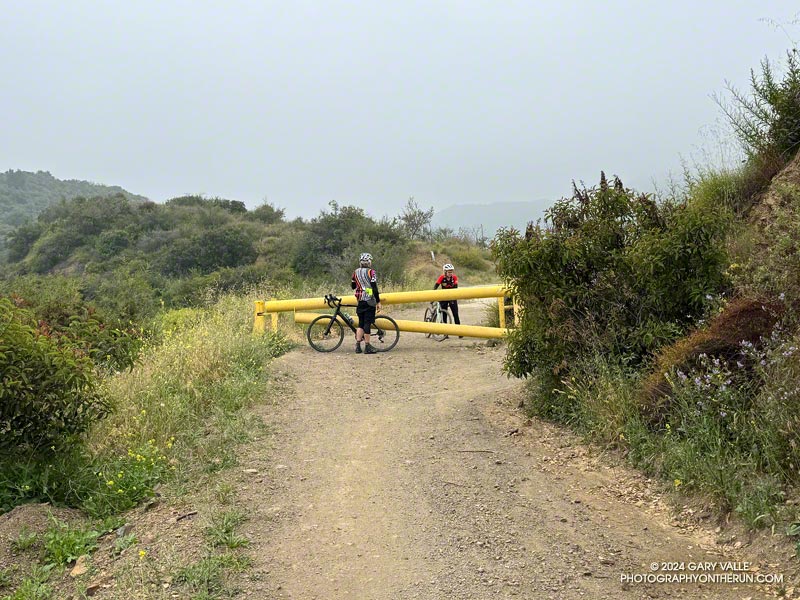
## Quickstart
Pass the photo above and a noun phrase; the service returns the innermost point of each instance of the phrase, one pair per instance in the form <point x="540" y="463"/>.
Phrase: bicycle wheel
<point x="325" y="334"/>
<point x="442" y="316"/>
<point x="386" y="334"/>
<point x="429" y="316"/>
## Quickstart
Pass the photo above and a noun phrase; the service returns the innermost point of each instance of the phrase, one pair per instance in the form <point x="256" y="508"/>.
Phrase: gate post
<point x="501" y="306"/>
<point x="260" y="320"/>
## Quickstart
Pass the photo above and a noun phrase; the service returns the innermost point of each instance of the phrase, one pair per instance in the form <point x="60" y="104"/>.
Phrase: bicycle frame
<point x="336" y="303"/>
<point x="436" y="314"/>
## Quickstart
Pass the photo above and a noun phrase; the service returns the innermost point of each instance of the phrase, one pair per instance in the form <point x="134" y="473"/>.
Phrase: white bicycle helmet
<point x="365" y="257"/>
<point x="448" y="267"/>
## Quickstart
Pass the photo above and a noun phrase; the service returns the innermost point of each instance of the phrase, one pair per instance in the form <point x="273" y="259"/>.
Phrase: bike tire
<point x="386" y="334"/>
<point x="324" y="336"/>
<point x="429" y="315"/>
<point x="442" y="316"/>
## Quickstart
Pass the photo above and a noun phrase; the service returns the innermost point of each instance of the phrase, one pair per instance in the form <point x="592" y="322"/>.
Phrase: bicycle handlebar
<point x="333" y="301"/>
<point x="330" y="299"/>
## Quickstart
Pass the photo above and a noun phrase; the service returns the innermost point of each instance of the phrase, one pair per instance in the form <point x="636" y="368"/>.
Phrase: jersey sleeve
<point x="439" y="281"/>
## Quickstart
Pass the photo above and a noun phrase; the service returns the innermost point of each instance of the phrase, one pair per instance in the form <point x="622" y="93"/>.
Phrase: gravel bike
<point x="326" y="333"/>
<point x="436" y="314"/>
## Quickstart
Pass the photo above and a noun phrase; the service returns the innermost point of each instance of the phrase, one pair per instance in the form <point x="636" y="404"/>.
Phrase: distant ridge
<point x="492" y="216"/>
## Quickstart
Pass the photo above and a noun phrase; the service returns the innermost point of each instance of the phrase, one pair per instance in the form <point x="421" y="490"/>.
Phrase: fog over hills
<point x="491" y="216"/>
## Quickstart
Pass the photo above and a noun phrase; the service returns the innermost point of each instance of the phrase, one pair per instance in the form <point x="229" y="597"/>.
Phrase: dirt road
<point x="411" y="474"/>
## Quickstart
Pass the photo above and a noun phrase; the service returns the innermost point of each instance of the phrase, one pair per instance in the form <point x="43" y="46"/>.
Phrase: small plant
<point x="222" y="531"/>
<point x="64" y="543"/>
<point x="124" y="481"/>
<point x="224" y="493"/>
<point x="793" y="531"/>
<point x="206" y="578"/>
<point x="33" y="587"/>
<point x="123" y="543"/>
<point x="25" y="540"/>
<point x="5" y="578"/>
<point x="30" y="589"/>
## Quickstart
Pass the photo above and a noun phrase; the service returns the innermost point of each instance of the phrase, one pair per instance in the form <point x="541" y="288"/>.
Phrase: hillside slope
<point x="24" y="194"/>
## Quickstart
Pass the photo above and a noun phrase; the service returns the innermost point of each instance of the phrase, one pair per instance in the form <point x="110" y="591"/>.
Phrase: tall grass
<point x="179" y="409"/>
<point x="176" y="413"/>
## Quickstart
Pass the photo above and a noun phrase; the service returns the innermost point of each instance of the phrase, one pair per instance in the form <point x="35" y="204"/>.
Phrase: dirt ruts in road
<point x="411" y="474"/>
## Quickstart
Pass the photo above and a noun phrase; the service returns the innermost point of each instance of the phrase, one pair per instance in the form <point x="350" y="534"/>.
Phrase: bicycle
<point x="436" y="314"/>
<point x="325" y="333"/>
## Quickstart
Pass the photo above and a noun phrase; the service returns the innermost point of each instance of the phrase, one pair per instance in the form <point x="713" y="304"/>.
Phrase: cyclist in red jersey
<point x="449" y="280"/>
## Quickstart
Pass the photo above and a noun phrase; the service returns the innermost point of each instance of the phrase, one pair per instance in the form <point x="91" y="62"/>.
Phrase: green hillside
<point x="24" y="194"/>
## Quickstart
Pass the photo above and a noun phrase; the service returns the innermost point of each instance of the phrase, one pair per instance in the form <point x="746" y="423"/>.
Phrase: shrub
<point x="21" y="240"/>
<point x="470" y="257"/>
<point x="334" y="240"/>
<point x="613" y="272"/>
<point x="267" y="214"/>
<point x="57" y="305"/>
<point x="767" y="122"/>
<point x="48" y="394"/>
<point x="230" y="245"/>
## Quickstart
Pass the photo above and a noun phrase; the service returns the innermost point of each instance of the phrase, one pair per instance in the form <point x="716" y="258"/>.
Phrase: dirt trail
<point x="411" y="475"/>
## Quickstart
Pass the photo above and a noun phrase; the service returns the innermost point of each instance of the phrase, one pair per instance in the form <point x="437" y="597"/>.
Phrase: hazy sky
<point x="370" y="102"/>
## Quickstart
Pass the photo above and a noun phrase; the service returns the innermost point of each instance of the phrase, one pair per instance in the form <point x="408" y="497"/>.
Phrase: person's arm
<point x="373" y="279"/>
<point x="353" y="282"/>
<point x="455" y="281"/>
<point x="438" y="282"/>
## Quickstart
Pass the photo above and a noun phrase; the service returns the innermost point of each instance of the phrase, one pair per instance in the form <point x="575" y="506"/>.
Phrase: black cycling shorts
<point x="366" y="316"/>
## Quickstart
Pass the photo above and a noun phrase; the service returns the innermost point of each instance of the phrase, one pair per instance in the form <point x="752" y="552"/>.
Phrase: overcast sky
<point x="369" y="102"/>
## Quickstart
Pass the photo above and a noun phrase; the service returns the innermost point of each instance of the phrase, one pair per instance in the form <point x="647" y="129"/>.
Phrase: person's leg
<point x="454" y="310"/>
<point x="360" y="330"/>
<point x="369" y="319"/>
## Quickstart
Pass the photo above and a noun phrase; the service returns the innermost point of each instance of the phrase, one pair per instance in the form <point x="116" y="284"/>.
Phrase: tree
<point x="416" y="222"/>
<point x="268" y="214"/>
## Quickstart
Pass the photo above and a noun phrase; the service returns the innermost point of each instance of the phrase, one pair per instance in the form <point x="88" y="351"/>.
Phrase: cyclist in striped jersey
<point x="365" y="284"/>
